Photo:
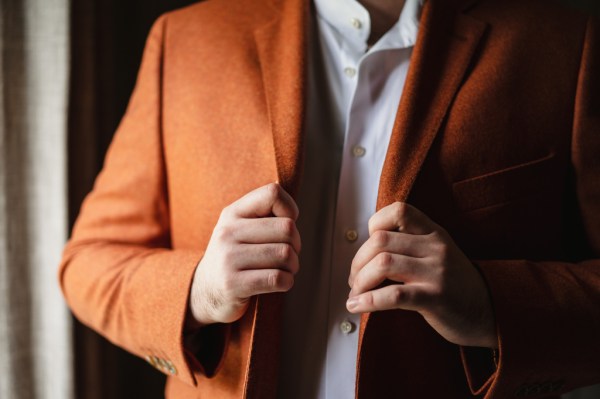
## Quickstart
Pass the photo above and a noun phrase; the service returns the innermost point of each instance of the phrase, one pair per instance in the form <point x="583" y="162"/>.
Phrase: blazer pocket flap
<point x="504" y="185"/>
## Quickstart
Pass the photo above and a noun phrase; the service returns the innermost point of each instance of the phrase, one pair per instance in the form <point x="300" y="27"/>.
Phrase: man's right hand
<point x="253" y="250"/>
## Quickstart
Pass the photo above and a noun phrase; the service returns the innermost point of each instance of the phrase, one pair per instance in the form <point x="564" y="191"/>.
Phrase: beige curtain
<point x="35" y="327"/>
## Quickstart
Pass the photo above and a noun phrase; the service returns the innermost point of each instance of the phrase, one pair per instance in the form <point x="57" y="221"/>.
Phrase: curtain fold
<point x="35" y="327"/>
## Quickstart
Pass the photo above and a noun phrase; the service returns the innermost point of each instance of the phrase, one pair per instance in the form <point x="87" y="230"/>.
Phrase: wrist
<point x="196" y="316"/>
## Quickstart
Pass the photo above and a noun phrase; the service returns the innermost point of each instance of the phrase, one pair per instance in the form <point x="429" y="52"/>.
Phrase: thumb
<point x="268" y="200"/>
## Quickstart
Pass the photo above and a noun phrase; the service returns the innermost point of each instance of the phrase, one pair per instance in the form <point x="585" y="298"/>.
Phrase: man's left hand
<point x="428" y="274"/>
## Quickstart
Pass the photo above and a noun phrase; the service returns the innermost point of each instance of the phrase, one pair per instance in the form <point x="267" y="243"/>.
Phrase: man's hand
<point x="429" y="274"/>
<point x="253" y="250"/>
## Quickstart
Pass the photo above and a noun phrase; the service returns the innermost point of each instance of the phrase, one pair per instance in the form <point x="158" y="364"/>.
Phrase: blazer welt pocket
<point x="505" y="185"/>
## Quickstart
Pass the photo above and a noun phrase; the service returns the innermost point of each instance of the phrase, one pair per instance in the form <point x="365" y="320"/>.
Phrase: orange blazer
<point x="497" y="138"/>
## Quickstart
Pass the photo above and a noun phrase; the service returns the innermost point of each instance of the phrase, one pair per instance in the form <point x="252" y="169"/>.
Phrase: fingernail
<point x="351" y="303"/>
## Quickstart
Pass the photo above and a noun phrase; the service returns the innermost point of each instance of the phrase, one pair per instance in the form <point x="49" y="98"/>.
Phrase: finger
<point x="386" y="266"/>
<point x="266" y="256"/>
<point x="402" y="217"/>
<point x="267" y="230"/>
<point x="417" y="246"/>
<point x="269" y="200"/>
<point x="395" y="296"/>
<point x="255" y="282"/>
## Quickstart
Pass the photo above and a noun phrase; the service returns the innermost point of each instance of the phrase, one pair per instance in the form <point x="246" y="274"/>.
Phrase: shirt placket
<point x="350" y="232"/>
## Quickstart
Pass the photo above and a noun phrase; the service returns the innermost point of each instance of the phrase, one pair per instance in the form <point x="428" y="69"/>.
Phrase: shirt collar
<point x="353" y="22"/>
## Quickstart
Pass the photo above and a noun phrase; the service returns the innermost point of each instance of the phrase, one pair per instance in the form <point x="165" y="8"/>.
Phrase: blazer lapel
<point x="281" y="45"/>
<point x="444" y="50"/>
<point x="447" y="41"/>
<point x="282" y="48"/>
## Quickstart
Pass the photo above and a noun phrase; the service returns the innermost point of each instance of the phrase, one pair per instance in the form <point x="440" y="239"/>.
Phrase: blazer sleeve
<point x="119" y="274"/>
<point x="548" y="313"/>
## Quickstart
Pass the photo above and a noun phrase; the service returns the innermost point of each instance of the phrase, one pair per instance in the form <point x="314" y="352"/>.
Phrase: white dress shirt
<point x="353" y="96"/>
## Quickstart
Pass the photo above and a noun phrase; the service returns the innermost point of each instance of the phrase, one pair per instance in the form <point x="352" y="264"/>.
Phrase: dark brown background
<point x="108" y="38"/>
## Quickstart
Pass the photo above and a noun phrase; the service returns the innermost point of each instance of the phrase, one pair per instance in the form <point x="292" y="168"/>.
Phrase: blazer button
<point x="170" y="368"/>
<point x="151" y="360"/>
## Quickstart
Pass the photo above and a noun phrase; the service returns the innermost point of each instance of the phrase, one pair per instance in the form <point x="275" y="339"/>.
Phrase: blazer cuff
<point x="547" y="331"/>
<point x="480" y="368"/>
<point x="205" y="348"/>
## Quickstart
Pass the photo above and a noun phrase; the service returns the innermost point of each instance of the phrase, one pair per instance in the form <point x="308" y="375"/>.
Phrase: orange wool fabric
<point x="497" y="139"/>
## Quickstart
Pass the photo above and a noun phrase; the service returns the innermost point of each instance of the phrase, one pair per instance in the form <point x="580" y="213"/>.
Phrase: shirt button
<point x="350" y="72"/>
<point x="346" y="327"/>
<point x="356" y="23"/>
<point x="358" y="151"/>
<point x="351" y="235"/>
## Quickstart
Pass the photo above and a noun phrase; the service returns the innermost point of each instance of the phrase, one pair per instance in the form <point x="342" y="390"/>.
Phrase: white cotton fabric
<point x="354" y="93"/>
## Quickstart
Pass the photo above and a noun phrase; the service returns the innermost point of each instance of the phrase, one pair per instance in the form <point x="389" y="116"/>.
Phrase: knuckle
<point x="278" y="280"/>
<point x="287" y="226"/>
<point x="284" y="252"/>
<point x="224" y="232"/>
<point x="384" y="261"/>
<point x="380" y="239"/>
<point x="272" y="190"/>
